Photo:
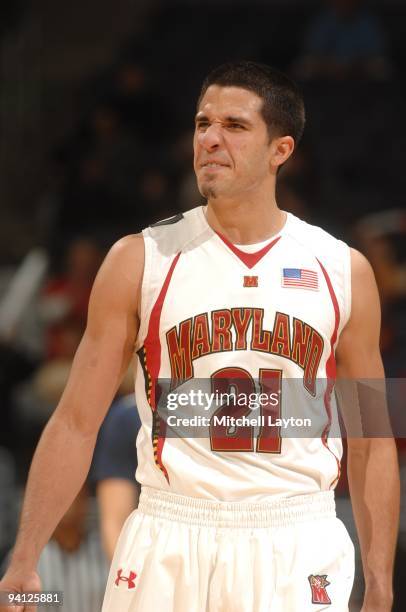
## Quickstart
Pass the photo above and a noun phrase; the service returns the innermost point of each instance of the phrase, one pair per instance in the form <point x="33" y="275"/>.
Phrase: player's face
<point x="231" y="144"/>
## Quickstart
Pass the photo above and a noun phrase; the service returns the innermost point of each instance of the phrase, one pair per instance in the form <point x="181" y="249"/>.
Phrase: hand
<point x="19" y="580"/>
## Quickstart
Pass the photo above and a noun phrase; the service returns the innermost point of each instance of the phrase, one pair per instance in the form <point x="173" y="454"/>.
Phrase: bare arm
<point x="62" y="459"/>
<point x="372" y="462"/>
<point x="117" y="498"/>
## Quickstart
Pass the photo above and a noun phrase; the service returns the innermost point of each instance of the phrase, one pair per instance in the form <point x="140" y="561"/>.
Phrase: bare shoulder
<point x="361" y="269"/>
<point x="361" y="333"/>
<point x="125" y="259"/>
<point x="120" y="276"/>
<point x="364" y="289"/>
<point x="128" y="249"/>
<point x="357" y="351"/>
<point x="132" y="243"/>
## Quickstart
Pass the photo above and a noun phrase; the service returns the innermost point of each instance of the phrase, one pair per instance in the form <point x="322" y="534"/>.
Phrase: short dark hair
<point x="283" y="107"/>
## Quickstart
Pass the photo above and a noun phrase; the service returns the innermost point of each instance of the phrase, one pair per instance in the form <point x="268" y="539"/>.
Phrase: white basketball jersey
<point x="221" y="320"/>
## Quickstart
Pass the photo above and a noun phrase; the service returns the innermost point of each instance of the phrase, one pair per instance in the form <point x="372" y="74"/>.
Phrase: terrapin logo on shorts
<point x="318" y="586"/>
<point x="130" y="579"/>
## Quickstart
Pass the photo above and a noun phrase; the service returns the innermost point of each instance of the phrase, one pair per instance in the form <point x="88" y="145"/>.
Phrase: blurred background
<point x="97" y="103"/>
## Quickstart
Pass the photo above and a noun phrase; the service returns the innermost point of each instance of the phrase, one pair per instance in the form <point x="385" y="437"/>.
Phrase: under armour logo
<point x="128" y="579"/>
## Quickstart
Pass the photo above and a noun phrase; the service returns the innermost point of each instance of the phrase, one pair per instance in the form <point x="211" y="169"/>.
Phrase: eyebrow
<point x="228" y="119"/>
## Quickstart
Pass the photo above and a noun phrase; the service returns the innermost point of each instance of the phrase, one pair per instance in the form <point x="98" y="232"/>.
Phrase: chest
<point x="215" y="294"/>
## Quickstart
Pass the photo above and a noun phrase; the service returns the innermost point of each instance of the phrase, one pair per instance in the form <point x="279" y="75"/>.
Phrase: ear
<point x="281" y="149"/>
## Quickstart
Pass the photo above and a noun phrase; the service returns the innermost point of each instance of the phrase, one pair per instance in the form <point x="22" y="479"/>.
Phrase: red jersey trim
<point x="152" y="348"/>
<point x="331" y="370"/>
<point x="249" y="259"/>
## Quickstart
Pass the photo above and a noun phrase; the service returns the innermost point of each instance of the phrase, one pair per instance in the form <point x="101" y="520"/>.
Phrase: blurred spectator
<point x="73" y="561"/>
<point x="145" y="112"/>
<point x="15" y="367"/>
<point x="344" y="40"/>
<point x="62" y="313"/>
<point x="10" y="13"/>
<point x="119" y="154"/>
<point x="376" y="235"/>
<point x="113" y="469"/>
<point x="33" y="402"/>
<point x="48" y="384"/>
<point x="155" y="195"/>
<point x="65" y="299"/>
<point x="298" y="188"/>
<point x="189" y="195"/>
<point x="182" y="159"/>
<point x="382" y="238"/>
<point x="87" y="204"/>
<point x="8" y="498"/>
<point x="291" y="201"/>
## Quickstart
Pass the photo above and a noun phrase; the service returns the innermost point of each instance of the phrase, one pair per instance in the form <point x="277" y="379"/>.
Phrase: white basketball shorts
<point x="182" y="554"/>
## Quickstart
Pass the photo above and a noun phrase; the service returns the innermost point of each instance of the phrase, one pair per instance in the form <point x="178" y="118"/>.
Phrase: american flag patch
<point x="300" y="278"/>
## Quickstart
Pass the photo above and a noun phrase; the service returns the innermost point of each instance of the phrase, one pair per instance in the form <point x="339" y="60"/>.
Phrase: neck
<point x="245" y="222"/>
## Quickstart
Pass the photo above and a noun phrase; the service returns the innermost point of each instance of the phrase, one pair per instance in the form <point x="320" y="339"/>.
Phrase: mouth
<point x="213" y="165"/>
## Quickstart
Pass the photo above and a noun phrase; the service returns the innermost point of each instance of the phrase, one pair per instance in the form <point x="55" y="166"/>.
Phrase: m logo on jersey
<point x="318" y="586"/>
<point x="250" y="281"/>
<point x="128" y="579"/>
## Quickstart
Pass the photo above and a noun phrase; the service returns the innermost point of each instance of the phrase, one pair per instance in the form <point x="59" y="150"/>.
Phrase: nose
<point x="210" y="139"/>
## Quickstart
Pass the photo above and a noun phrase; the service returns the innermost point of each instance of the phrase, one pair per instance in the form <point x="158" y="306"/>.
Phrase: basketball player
<point x="242" y="295"/>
